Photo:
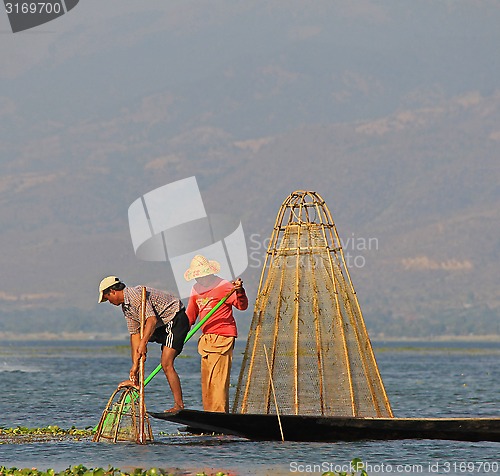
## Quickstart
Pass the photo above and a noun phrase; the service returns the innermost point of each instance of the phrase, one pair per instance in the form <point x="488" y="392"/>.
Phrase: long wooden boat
<point x="319" y="428"/>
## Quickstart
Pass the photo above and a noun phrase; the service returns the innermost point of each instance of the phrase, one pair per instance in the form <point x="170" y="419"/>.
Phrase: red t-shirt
<point x="202" y="300"/>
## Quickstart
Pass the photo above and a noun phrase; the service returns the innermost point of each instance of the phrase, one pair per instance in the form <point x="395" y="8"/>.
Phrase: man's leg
<point x="168" y="356"/>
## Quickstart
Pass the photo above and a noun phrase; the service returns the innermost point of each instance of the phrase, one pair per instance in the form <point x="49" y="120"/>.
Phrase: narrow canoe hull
<point x="318" y="428"/>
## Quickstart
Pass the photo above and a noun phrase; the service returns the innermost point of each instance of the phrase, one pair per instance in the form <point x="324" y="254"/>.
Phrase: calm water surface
<point x="68" y="384"/>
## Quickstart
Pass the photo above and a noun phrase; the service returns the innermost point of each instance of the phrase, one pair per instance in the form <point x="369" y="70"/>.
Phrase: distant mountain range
<point x="396" y="125"/>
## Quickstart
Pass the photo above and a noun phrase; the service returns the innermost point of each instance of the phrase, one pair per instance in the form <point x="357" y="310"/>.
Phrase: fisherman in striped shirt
<point x="165" y="323"/>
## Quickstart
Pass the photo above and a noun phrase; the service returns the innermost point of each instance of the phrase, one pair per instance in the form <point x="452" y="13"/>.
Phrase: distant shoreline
<point x="485" y="338"/>
<point x="69" y="336"/>
<point x="83" y="336"/>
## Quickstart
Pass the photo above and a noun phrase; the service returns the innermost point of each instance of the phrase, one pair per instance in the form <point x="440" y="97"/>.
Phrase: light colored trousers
<point x="216" y="359"/>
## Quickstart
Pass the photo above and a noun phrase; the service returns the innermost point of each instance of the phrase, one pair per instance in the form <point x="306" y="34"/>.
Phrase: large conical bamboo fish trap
<point x="308" y="321"/>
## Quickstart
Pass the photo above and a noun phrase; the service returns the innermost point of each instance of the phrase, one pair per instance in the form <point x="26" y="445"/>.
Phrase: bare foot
<point x="174" y="409"/>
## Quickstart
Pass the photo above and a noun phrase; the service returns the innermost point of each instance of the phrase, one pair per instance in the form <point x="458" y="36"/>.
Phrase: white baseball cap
<point x="105" y="284"/>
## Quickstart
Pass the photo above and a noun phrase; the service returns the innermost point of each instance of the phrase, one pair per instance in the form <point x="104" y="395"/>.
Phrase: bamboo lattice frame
<point x="121" y="419"/>
<point x="308" y="316"/>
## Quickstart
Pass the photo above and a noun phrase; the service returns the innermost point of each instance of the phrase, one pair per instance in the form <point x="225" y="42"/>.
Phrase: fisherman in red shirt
<point x="219" y="333"/>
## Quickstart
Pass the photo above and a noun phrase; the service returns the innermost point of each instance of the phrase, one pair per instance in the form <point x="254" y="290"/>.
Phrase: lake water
<point x="69" y="383"/>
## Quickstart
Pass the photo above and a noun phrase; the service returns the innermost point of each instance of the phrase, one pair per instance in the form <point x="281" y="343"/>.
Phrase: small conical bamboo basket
<point x="121" y="419"/>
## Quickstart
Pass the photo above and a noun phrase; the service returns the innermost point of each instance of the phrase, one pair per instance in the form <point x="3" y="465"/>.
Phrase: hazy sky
<point x="105" y="56"/>
<point x="118" y="97"/>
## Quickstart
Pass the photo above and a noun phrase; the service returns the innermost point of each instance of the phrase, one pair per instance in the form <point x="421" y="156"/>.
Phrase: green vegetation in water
<point x="357" y="469"/>
<point x="21" y="434"/>
<point x="81" y="470"/>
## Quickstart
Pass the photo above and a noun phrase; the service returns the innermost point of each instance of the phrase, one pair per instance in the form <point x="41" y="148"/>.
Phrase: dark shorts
<point x="173" y="333"/>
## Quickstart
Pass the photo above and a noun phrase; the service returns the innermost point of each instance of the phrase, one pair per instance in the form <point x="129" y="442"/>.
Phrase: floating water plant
<point x="81" y="470"/>
<point x="21" y="434"/>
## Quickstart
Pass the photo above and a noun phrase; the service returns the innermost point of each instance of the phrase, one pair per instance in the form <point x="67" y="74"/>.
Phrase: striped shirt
<point x="162" y="305"/>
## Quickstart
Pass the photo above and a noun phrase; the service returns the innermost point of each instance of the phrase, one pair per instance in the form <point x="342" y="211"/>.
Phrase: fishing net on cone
<point x="308" y="317"/>
<point x="120" y="420"/>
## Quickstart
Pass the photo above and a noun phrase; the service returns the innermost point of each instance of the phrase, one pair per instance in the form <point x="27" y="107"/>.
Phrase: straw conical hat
<point x="201" y="266"/>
